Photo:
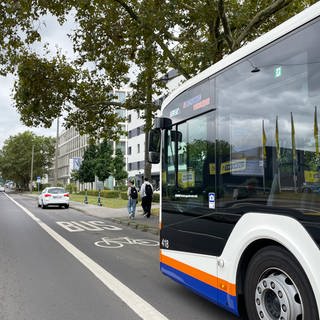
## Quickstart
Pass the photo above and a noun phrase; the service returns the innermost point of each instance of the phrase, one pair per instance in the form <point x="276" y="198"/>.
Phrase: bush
<point x="71" y="188"/>
<point x="93" y="193"/>
<point x="121" y="188"/>
<point x="103" y="193"/>
<point x="124" y="195"/>
<point x="110" y="194"/>
<point x="156" y="197"/>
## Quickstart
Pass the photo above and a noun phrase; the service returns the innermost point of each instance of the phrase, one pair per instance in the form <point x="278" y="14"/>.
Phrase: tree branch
<point x="261" y="17"/>
<point x="176" y="64"/>
<point x="225" y="24"/>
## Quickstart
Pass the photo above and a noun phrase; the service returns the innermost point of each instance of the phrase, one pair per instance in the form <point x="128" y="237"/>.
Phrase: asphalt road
<point x="62" y="264"/>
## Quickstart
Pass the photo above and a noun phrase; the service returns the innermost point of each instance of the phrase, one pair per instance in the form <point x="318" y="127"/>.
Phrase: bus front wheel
<point x="276" y="287"/>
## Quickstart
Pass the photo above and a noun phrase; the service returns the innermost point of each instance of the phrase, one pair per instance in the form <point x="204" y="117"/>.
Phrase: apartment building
<point x="71" y="147"/>
<point x="136" y="149"/>
<point x="136" y="135"/>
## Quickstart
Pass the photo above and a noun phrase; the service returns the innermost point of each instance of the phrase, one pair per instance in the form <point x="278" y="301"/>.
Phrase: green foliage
<point x="16" y="155"/>
<point x="71" y="188"/>
<point x="104" y="193"/>
<point x="110" y="194"/>
<point x="124" y="195"/>
<point x="152" y="35"/>
<point x="119" y="173"/>
<point x="103" y="161"/>
<point x="42" y="89"/>
<point x="86" y="171"/>
<point x="156" y="197"/>
<point x="98" y="161"/>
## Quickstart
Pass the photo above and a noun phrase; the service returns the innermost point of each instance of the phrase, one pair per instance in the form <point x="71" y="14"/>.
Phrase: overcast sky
<point x="10" y="123"/>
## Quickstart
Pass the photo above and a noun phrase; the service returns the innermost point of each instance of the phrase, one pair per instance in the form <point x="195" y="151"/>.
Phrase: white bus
<point x="240" y="180"/>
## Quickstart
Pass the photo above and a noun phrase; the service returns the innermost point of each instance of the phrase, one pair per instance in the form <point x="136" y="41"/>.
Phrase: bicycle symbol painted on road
<point x="114" y="243"/>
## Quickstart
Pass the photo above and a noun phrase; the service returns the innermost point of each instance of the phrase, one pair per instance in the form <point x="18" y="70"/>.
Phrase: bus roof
<point x="291" y="24"/>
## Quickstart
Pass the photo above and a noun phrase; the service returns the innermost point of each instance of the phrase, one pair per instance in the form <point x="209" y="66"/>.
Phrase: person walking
<point x="132" y="199"/>
<point x="146" y="193"/>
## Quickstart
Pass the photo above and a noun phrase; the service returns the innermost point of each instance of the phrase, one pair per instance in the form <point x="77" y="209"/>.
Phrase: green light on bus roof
<point x="277" y="72"/>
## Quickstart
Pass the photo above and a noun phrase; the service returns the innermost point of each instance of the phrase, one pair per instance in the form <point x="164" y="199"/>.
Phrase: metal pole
<point x="31" y="171"/>
<point x="85" y="197"/>
<point x="99" y="199"/>
<point x="56" y="156"/>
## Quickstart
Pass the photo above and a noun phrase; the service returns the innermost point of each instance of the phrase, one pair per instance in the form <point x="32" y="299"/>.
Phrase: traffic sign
<point x="212" y="200"/>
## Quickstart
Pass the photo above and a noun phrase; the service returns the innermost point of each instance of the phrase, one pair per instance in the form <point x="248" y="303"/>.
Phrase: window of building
<point x="138" y="148"/>
<point x="122" y="146"/>
<point x="129" y="150"/>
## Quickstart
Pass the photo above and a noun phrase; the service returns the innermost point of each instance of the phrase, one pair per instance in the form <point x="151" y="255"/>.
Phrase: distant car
<point x="2" y="188"/>
<point x="53" y="196"/>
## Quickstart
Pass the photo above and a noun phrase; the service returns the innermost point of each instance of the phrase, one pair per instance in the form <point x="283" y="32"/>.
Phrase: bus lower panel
<point x="211" y="293"/>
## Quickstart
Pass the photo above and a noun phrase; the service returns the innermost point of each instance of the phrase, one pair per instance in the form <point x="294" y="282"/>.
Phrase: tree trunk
<point x="148" y="124"/>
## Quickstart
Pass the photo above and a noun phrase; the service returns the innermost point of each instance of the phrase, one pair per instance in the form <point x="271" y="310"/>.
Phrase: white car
<point x="53" y="196"/>
<point x="2" y="188"/>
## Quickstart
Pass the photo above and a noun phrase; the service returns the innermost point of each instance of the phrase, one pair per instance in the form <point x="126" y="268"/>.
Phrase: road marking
<point x="79" y="226"/>
<point x="115" y="243"/>
<point x="141" y="307"/>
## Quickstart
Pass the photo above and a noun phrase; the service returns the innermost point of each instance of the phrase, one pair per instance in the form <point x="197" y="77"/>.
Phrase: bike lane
<point x="130" y="255"/>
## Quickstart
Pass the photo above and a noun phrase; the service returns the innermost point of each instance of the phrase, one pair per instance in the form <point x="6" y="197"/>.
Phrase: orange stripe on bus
<point x="200" y="275"/>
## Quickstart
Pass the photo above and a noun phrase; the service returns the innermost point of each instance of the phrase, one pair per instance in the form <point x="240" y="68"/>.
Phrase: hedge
<point x="116" y="194"/>
<point x="103" y="193"/>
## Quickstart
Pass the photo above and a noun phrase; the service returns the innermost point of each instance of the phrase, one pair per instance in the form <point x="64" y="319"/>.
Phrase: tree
<point x="16" y="155"/>
<point x="87" y="168"/>
<point x="103" y="162"/>
<point x="152" y="35"/>
<point x="119" y="173"/>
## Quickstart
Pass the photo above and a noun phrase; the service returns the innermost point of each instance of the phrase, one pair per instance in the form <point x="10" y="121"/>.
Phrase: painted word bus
<point x="240" y="176"/>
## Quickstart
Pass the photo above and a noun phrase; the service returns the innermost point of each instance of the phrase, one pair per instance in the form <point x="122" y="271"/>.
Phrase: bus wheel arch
<point x="265" y="263"/>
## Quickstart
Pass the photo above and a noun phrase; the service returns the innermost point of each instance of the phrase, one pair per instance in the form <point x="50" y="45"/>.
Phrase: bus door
<point x="189" y="186"/>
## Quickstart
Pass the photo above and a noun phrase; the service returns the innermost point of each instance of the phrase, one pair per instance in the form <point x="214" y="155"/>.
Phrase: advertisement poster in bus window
<point x="186" y="179"/>
<point x="311" y="176"/>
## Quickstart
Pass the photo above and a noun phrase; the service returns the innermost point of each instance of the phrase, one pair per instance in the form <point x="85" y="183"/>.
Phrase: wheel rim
<point x="277" y="297"/>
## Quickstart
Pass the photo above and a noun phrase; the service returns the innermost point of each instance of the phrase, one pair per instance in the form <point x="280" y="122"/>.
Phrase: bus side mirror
<point x="176" y="136"/>
<point x="154" y="143"/>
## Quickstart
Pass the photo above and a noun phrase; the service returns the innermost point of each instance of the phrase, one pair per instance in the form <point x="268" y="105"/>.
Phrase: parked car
<point x="53" y="196"/>
<point x="2" y="188"/>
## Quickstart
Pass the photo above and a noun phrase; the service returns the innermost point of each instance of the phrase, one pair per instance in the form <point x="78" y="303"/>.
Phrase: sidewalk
<point x="117" y="215"/>
<point x="121" y="216"/>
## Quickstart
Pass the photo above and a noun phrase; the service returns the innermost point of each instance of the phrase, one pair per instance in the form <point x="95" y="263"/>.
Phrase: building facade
<point x="71" y="145"/>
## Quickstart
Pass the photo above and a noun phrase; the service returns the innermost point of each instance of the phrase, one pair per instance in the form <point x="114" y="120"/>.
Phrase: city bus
<point x="240" y="176"/>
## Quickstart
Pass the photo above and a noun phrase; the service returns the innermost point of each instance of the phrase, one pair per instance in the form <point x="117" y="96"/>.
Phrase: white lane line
<point x="141" y="307"/>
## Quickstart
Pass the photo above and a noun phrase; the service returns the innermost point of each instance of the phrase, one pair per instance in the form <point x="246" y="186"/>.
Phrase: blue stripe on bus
<point x="211" y="293"/>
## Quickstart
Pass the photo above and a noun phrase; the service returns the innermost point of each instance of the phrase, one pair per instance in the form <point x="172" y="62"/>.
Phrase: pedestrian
<point x="132" y="199"/>
<point x="146" y="193"/>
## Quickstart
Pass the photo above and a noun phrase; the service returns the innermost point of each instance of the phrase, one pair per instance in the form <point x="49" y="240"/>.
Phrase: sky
<point x="10" y="123"/>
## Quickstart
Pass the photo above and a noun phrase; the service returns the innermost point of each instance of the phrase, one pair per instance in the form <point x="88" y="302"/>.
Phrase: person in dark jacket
<point x="146" y="193"/>
<point x="132" y="199"/>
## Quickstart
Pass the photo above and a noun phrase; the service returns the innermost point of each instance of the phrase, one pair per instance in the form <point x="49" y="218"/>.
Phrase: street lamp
<point x="31" y="171"/>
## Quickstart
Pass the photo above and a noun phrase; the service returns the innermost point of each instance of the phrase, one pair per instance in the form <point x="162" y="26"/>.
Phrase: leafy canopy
<point x="112" y="36"/>
<point x="16" y="156"/>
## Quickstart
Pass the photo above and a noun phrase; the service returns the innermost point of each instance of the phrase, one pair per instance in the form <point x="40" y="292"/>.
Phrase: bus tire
<point x="276" y="287"/>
